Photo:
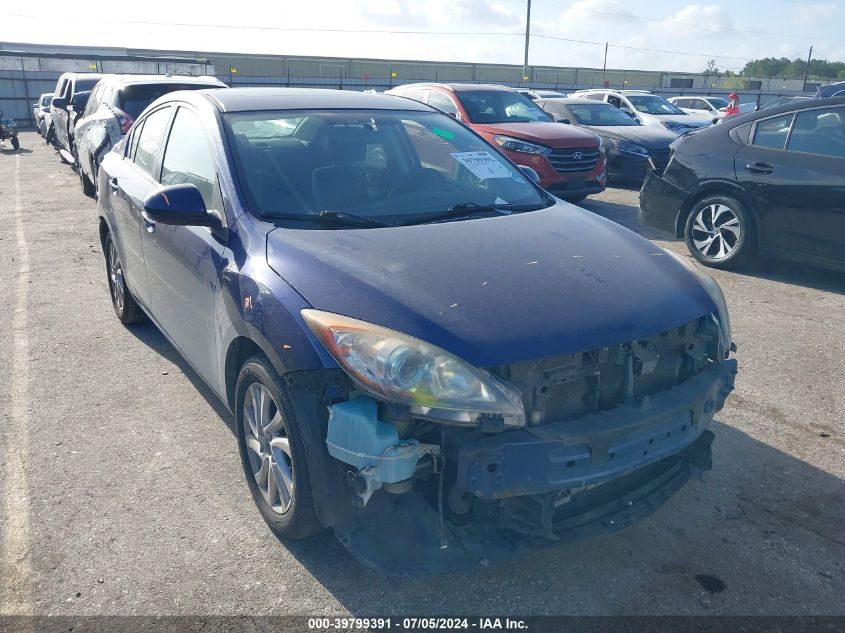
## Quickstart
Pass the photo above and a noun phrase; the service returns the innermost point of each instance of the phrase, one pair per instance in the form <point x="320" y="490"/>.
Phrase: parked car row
<point x="422" y="348"/>
<point x="89" y="113"/>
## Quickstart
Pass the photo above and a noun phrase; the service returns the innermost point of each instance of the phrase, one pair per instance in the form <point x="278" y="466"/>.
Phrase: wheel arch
<point x="714" y="188"/>
<point x="240" y="349"/>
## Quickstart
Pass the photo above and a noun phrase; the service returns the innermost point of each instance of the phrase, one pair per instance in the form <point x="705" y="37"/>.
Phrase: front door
<point x="129" y="182"/>
<point x="794" y="170"/>
<point x="184" y="262"/>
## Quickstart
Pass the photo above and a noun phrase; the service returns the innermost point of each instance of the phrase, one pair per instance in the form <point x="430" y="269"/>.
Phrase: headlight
<point x="397" y="367"/>
<point x="715" y="293"/>
<point x="632" y="148"/>
<point x="516" y="145"/>
<point x="602" y="151"/>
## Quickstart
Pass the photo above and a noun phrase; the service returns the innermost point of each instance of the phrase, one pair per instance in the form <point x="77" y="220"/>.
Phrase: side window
<point x="681" y="103"/>
<point x="442" y="102"/>
<point x="61" y="88"/>
<point x="772" y="133"/>
<point x="149" y="140"/>
<point x="188" y="158"/>
<point x="596" y="97"/>
<point x="132" y="143"/>
<point x="616" y="101"/>
<point x="93" y="101"/>
<point x="819" y="132"/>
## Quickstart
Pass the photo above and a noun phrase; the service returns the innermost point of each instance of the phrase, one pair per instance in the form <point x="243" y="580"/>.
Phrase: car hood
<point x="545" y="133"/>
<point x="649" y="136"/>
<point x="495" y="290"/>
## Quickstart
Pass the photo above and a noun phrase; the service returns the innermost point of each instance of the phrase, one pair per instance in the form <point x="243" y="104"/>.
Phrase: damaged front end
<point x="603" y="437"/>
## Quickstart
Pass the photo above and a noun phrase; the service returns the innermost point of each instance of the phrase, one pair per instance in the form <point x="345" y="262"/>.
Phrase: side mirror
<point x="59" y="102"/>
<point x="533" y="176"/>
<point x="455" y="115"/>
<point x="178" y="205"/>
<point x="559" y="118"/>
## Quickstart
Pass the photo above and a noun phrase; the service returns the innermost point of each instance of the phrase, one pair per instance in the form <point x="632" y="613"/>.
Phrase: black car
<point x="770" y="181"/>
<point x="632" y="149"/>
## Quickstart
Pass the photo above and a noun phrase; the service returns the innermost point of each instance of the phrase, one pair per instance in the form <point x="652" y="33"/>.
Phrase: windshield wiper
<point x="331" y="217"/>
<point x="464" y="209"/>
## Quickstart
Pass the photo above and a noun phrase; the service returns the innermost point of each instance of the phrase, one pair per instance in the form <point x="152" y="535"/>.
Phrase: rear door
<point x="184" y="262"/>
<point x="794" y="169"/>
<point x="129" y="181"/>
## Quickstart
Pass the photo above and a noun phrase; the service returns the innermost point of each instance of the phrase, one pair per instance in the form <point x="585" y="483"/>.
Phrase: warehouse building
<point x="28" y="70"/>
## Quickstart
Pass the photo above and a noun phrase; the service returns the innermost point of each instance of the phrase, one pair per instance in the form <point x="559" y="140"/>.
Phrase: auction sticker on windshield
<point x="483" y="165"/>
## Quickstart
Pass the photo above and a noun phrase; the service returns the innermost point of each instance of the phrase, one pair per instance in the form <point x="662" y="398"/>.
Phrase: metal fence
<point x="20" y="89"/>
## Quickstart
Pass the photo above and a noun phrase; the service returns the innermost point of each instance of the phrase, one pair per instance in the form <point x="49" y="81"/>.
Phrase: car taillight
<point x="124" y="120"/>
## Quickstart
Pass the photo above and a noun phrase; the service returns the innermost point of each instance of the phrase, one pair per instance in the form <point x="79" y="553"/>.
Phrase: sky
<point x="683" y="36"/>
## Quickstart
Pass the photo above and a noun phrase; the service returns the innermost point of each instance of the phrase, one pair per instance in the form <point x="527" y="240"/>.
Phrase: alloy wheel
<point x="716" y="231"/>
<point x="268" y="448"/>
<point x="118" y="287"/>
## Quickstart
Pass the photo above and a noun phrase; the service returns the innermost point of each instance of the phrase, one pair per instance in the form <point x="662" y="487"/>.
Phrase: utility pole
<point x="527" y="36"/>
<point x="807" y="70"/>
<point x="604" y="66"/>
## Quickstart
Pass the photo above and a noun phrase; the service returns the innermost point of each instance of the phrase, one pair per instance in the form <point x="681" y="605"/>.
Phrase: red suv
<point x="569" y="160"/>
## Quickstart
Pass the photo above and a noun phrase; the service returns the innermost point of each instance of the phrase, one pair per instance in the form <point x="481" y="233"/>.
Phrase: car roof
<point x="462" y="87"/>
<point x="128" y="80"/>
<point x="705" y="97"/>
<point x="576" y="101"/>
<point x="251" y="99"/>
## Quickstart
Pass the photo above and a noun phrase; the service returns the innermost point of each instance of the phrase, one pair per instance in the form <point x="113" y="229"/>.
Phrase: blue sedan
<point x="422" y="349"/>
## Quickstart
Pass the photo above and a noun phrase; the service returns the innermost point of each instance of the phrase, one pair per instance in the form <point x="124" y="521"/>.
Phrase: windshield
<point x="599" y="114"/>
<point x="84" y="85"/>
<point x="652" y="104"/>
<point x="134" y="99"/>
<point x="718" y="102"/>
<point x="500" y="106"/>
<point x="393" y="166"/>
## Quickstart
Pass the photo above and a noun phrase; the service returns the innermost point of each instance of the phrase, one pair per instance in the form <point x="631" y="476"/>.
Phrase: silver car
<point x="41" y="113"/>
<point x="113" y="106"/>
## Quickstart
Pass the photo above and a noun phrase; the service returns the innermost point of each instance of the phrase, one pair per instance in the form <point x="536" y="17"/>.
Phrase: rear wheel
<point x="272" y="452"/>
<point x="125" y="307"/>
<point x="719" y="232"/>
<point x="16" y="144"/>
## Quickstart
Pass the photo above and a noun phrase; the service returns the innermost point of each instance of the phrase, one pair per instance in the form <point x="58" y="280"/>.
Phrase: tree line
<point x="784" y="67"/>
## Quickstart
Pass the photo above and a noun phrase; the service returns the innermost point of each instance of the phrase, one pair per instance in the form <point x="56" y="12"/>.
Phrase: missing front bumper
<point x="535" y="498"/>
<point x="595" y="448"/>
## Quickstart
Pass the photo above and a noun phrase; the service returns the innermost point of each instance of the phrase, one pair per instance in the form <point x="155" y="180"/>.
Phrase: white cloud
<point x="813" y="14"/>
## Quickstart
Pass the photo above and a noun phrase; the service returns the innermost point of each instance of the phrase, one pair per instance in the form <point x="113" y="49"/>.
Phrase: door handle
<point x="149" y="223"/>
<point x="113" y="184"/>
<point x="760" y="168"/>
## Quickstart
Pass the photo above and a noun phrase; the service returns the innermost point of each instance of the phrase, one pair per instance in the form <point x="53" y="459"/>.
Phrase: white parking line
<point x="16" y="563"/>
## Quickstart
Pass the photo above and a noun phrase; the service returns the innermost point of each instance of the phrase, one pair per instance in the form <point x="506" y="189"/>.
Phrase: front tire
<point x="125" y="307"/>
<point x="272" y="452"/>
<point x="88" y="187"/>
<point x="719" y="232"/>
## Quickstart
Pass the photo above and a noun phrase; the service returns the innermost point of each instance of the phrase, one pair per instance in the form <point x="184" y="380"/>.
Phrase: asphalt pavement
<point x="122" y="491"/>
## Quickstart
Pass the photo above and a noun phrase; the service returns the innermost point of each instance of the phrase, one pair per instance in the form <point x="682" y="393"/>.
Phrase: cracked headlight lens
<point x="715" y="292"/>
<point x="400" y="368"/>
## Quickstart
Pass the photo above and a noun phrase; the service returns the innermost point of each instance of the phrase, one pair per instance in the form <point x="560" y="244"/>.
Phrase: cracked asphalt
<point x="122" y="493"/>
